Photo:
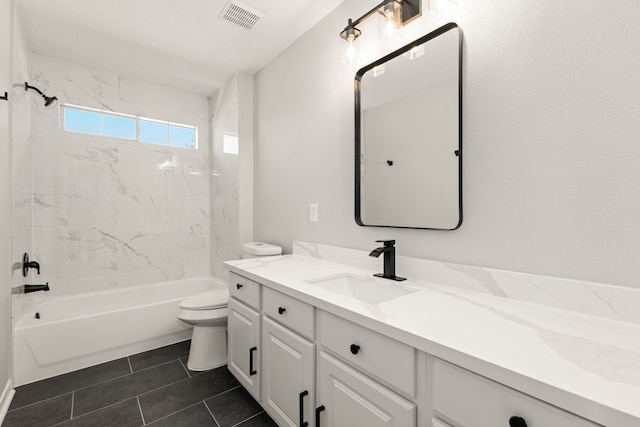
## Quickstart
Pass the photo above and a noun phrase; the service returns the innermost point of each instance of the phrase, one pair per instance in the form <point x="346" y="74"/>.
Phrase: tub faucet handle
<point x="26" y="265"/>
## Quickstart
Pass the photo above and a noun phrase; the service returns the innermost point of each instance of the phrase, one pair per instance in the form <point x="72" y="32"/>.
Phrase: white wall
<point x="551" y="141"/>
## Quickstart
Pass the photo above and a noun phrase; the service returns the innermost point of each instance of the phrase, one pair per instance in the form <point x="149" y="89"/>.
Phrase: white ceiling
<point x="181" y="43"/>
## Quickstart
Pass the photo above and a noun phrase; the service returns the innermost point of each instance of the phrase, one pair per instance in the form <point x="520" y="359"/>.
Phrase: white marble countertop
<point x="585" y="364"/>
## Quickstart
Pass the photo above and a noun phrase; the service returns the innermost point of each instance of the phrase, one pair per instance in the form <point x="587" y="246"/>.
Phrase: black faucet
<point x="26" y="265"/>
<point x="36" y="288"/>
<point x="389" y="260"/>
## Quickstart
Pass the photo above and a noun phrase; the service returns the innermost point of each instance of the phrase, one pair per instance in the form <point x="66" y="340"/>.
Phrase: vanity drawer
<point x="290" y="312"/>
<point x="383" y="357"/>
<point x="467" y="399"/>
<point x="244" y="290"/>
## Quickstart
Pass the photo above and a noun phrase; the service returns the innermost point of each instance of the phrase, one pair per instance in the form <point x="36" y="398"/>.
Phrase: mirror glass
<point x="409" y="134"/>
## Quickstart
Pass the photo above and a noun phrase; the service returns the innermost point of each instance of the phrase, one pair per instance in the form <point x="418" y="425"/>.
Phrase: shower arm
<point x="27" y="87"/>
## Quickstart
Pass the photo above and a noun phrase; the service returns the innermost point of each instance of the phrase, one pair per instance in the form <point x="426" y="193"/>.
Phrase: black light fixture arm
<point x="371" y="12"/>
<point x="5" y="97"/>
<point x="410" y="9"/>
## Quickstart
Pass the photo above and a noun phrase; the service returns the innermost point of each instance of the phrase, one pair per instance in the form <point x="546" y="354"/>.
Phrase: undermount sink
<point x="362" y="288"/>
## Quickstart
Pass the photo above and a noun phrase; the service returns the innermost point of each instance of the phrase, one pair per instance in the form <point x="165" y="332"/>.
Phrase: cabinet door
<point x="346" y="398"/>
<point x="244" y="342"/>
<point x="288" y="386"/>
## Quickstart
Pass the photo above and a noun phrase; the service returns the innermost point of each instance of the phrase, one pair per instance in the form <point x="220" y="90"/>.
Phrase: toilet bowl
<point x="207" y="312"/>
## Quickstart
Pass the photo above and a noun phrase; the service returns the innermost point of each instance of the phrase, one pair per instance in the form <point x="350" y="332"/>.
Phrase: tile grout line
<point x="106" y="381"/>
<point x="95" y="384"/>
<point x="73" y="397"/>
<point x="122" y="376"/>
<point x="144" y="423"/>
<point x="226" y="391"/>
<point x="175" y="382"/>
<point x="251" y="417"/>
<point x="185" y="368"/>
<point x="173" y="413"/>
<point x="39" y="401"/>
<point x="94" y="411"/>
<point x="130" y="367"/>
<point x="211" y="413"/>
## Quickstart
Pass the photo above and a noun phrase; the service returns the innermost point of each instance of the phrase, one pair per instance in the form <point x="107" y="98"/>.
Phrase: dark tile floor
<point x="153" y="388"/>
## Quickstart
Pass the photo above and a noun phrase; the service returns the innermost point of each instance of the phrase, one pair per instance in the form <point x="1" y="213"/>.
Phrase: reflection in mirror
<point x="408" y="135"/>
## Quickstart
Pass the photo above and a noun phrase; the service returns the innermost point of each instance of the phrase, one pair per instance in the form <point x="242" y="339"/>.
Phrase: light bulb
<point x="389" y="27"/>
<point x="390" y="22"/>
<point x="351" y="52"/>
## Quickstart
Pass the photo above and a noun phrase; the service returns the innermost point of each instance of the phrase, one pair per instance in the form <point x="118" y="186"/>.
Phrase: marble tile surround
<point x="598" y="299"/>
<point x="109" y="212"/>
<point x="21" y="147"/>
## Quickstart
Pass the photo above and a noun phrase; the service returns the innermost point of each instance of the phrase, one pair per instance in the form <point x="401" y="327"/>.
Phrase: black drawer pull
<point x="517" y="422"/>
<point x="303" y="423"/>
<point x="355" y="348"/>
<point x="318" y="410"/>
<point x="238" y="286"/>
<point x="281" y="310"/>
<point x="251" y="370"/>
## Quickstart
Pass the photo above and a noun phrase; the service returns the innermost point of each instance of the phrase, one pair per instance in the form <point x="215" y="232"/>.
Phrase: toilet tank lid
<point x="206" y="301"/>
<point x="260" y="248"/>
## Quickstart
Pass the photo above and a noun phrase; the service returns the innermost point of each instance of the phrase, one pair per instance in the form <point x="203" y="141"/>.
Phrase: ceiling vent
<point x="240" y="15"/>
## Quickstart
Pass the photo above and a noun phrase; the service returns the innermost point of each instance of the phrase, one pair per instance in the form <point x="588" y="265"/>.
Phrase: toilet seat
<point x="210" y="300"/>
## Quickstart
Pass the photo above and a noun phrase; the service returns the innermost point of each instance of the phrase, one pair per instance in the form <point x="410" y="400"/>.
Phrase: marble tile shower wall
<point x="21" y="147"/>
<point x="110" y="212"/>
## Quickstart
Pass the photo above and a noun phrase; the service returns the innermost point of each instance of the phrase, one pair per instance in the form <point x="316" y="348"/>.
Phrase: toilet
<point x="207" y="312"/>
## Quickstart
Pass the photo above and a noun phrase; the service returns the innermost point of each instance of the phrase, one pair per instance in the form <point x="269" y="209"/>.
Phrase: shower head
<point x="49" y="101"/>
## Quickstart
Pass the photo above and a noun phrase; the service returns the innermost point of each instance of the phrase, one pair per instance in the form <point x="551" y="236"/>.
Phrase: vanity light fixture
<point x="48" y="100"/>
<point x="395" y="14"/>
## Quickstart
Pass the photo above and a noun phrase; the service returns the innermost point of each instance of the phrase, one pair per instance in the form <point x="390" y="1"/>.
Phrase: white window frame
<point x="128" y="116"/>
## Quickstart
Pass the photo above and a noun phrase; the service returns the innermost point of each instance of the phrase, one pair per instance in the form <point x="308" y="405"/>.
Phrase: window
<point x="229" y="143"/>
<point x="115" y="125"/>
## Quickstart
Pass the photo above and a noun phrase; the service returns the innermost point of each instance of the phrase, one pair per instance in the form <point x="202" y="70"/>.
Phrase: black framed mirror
<point x="408" y="135"/>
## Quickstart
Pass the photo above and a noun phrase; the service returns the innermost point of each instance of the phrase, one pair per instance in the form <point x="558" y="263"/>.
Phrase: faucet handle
<point x="387" y="243"/>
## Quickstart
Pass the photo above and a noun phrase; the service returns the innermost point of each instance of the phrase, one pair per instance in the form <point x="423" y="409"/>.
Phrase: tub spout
<point x="36" y="288"/>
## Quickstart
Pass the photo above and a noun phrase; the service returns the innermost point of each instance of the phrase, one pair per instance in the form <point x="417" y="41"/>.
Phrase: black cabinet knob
<point x="355" y="348"/>
<point x="517" y="422"/>
<point x="281" y="310"/>
<point x="238" y="285"/>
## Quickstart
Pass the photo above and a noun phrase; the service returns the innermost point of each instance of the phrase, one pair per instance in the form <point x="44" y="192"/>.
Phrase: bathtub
<point x="77" y="331"/>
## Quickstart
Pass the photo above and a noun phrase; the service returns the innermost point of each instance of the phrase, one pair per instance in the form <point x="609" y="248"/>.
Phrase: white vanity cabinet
<point x="352" y="393"/>
<point x="310" y="367"/>
<point x="244" y="333"/>
<point x="272" y="352"/>
<point x="288" y="359"/>
<point x="465" y="399"/>
<point x="346" y="397"/>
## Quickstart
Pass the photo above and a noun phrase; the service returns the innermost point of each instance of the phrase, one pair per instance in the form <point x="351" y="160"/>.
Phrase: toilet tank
<point x="259" y="249"/>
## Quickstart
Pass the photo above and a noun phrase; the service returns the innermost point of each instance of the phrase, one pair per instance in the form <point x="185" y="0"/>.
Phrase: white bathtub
<point x="77" y="331"/>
